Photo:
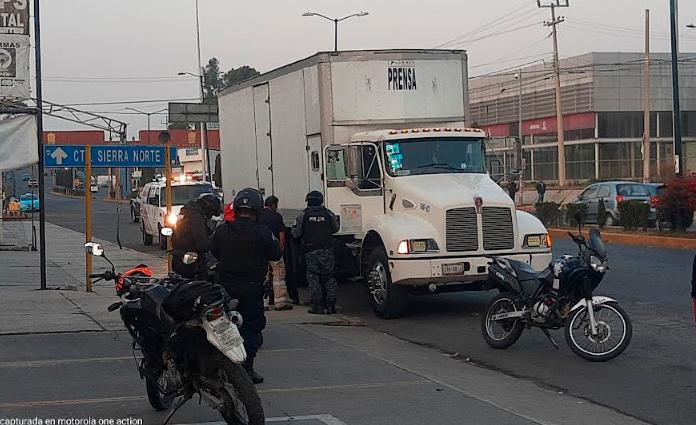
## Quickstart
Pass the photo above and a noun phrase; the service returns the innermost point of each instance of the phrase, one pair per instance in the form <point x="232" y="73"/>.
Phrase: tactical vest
<point x="317" y="229"/>
<point x="240" y="256"/>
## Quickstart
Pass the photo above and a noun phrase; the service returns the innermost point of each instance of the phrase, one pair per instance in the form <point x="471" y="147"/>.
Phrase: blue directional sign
<point x="69" y="156"/>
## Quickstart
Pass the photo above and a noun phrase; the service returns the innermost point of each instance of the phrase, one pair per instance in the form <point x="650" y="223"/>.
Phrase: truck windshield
<point x="183" y="194"/>
<point x="436" y="155"/>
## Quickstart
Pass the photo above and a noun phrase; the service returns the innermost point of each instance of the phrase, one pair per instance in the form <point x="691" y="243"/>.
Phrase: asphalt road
<point x="653" y="380"/>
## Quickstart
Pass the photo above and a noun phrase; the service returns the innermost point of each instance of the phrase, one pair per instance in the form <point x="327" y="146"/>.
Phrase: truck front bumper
<point x="424" y="271"/>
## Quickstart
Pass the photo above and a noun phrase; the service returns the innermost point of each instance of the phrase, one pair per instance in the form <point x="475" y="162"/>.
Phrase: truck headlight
<point x="417" y="246"/>
<point x="172" y="219"/>
<point x="537" y="241"/>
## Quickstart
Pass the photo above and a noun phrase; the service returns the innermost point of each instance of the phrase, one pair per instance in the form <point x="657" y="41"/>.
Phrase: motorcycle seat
<point x="525" y="272"/>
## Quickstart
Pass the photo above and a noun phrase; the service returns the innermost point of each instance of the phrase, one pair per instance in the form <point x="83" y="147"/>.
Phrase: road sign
<point x="193" y="112"/>
<point x="67" y="156"/>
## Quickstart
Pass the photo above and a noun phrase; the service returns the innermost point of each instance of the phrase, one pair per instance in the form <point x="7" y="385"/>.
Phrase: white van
<point x="153" y="206"/>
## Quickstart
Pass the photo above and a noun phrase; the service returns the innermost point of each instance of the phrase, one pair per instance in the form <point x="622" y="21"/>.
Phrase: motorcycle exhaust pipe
<point x="236" y="318"/>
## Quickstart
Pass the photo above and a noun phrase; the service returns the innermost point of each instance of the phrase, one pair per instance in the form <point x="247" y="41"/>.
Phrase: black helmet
<point x="248" y="199"/>
<point x="211" y="204"/>
<point x="314" y="198"/>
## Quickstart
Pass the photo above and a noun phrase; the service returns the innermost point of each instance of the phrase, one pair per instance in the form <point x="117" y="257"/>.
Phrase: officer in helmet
<point x="316" y="226"/>
<point x="192" y="235"/>
<point x="243" y="249"/>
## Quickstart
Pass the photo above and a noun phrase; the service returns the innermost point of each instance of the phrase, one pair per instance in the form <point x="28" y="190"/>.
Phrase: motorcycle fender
<point x="224" y="336"/>
<point x="595" y="301"/>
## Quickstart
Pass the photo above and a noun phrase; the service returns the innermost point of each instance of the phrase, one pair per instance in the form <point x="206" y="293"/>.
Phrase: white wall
<point x="238" y="144"/>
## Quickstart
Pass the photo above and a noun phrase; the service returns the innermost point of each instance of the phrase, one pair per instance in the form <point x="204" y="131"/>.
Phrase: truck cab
<point x="423" y="214"/>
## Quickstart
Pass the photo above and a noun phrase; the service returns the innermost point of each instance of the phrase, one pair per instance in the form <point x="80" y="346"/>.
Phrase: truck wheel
<point x="147" y="239"/>
<point x="388" y="300"/>
<point x="295" y="272"/>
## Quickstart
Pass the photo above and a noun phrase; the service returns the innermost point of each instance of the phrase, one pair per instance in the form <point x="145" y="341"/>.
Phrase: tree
<point x="237" y="75"/>
<point x="179" y="126"/>
<point x="212" y="83"/>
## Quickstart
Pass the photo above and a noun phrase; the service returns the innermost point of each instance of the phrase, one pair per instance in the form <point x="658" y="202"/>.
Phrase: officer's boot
<point x="331" y="307"/>
<point x="249" y="368"/>
<point x="316" y="308"/>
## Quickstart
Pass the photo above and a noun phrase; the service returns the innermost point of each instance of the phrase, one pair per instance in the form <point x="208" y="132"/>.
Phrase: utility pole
<point x="646" y="101"/>
<point x="39" y="134"/>
<point x="207" y="174"/>
<point x="676" y="109"/>
<point x="553" y="4"/>
<point x="521" y="139"/>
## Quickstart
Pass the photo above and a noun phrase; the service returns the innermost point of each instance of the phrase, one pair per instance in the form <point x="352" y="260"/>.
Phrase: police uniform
<point x="244" y="249"/>
<point x="316" y="226"/>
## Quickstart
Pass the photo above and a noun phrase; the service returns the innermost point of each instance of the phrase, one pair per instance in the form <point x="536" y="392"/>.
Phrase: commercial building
<point x="602" y="97"/>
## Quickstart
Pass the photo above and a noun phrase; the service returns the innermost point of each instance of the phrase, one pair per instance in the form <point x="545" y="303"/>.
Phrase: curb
<point x="64" y="195"/>
<point x="641" y="240"/>
<point x="114" y="201"/>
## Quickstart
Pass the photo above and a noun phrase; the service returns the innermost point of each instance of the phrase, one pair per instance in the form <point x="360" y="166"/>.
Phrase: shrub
<point x="571" y="210"/>
<point x="549" y="213"/>
<point x="633" y="214"/>
<point x="601" y="213"/>
<point x="678" y="202"/>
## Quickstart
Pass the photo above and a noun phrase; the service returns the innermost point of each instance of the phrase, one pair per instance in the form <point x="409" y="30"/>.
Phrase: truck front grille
<point x="461" y="230"/>
<point x="498" y="232"/>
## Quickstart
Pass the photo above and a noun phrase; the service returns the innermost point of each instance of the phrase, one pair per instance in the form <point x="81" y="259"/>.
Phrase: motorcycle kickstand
<point x="176" y="407"/>
<point x="548" y="335"/>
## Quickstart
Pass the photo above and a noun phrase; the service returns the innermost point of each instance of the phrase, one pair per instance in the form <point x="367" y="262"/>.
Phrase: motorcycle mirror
<point x="167" y="231"/>
<point x="94" y="249"/>
<point x="190" y="257"/>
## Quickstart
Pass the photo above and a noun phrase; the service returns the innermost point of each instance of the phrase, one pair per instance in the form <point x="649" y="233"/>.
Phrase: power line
<point x="466" y="43"/>
<point x="496" y="21"/>
<point x="131" y="102"/>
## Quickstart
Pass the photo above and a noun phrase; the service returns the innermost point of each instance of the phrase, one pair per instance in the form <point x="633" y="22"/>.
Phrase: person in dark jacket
<point x="271" y="218"/>
<point x="512" y="189"/>
<point x="244" y="249"/>
<point x="541" y="190"/>
<point x="192" y="235"/>
<point x="316" y="226"/>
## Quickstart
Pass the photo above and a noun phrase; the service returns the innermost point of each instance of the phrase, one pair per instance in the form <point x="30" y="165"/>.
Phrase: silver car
<point x="612" y="193"/>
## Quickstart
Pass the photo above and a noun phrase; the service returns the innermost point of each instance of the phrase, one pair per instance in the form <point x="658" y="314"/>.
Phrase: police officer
<point x="315" y="226"/>
<point x="192" y="235"/>
<point x="244" y="249"/>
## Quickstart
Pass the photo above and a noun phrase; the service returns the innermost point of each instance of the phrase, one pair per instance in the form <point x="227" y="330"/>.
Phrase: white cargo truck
<point x="383" y="134"/>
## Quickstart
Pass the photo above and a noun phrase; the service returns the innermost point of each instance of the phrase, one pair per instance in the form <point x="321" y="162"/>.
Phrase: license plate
<point x="533" y="241"/>
<point x="453" y="269"/>
<point x="226" y="332"/>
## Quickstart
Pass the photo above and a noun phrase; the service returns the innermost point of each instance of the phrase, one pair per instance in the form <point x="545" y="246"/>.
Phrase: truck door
<point x="264" y="138"/>
<point x="353" y="180"/>
<point x="314" y="166"/>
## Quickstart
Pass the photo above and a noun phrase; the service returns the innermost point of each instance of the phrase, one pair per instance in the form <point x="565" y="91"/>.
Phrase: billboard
<point x="14" y="49"/>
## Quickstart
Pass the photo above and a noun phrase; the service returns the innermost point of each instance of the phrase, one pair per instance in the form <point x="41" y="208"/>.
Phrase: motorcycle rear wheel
<point x="501" y="334"/>
<point x="615" y="332"/>
<point x="242" y="405"/>
<point x="158" y="400"/>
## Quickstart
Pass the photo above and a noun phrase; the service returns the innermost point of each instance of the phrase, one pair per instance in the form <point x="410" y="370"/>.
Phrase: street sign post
<point x="119" y="156"/>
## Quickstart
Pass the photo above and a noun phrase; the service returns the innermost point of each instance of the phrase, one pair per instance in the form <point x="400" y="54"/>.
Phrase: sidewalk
<point x="64" y="356"/>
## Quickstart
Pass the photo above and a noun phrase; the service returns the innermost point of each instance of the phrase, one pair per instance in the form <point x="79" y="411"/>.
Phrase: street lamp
<point x="149" y="114"/>
<point x="336" y="21"/>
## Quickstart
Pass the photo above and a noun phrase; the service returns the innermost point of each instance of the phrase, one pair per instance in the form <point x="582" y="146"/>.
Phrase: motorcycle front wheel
<point x="501" y="333"/>
<point x="241" y="402"/>
<point x="614" y="332"/>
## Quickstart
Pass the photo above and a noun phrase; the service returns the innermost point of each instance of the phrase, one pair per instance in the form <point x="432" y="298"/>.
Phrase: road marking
<point x="325" y="419"/>
<point x="42" y="403"/>
<point x="22" y="364"/>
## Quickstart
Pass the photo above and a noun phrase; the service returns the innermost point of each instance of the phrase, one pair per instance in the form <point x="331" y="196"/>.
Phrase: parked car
<point x="28" y="202"/>
<point x="153" y="206"/>
<point x="33" y="183"/>
<point x="135" y="205"/>
<point x="612" y="193"/>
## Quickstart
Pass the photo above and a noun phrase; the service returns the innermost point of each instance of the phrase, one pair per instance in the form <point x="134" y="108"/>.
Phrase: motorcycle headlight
<point x="597" y="264"/>
<point x="537" y="241"/>
<point x="172" y="219"/>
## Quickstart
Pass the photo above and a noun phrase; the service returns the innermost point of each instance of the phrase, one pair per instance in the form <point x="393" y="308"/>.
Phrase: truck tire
<point x="388" y="300"/>
<point x="147" y="239"/>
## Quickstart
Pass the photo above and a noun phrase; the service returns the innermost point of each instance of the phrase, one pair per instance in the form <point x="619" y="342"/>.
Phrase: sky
<point x="98" y="52"/>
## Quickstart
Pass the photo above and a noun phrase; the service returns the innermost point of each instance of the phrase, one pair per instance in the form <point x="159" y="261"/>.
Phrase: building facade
<point x="602" y="98"/>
